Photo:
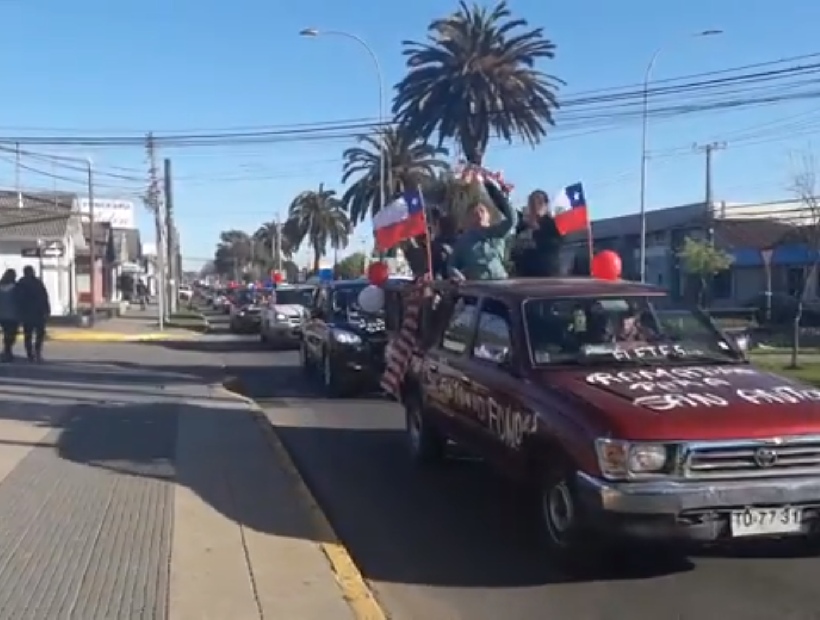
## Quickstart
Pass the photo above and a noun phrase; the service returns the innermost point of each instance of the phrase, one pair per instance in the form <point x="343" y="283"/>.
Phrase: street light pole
<point x="385" y="169"/>
<point x="645" y="140"/>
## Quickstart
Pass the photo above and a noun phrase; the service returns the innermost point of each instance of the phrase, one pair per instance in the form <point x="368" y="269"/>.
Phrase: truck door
<point x="499" y="415"/>
<point x="444" y="382"/>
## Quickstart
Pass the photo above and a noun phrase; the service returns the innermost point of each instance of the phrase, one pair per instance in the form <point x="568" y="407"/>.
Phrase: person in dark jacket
<point x="9" y="320"/>
<point x="536" y="251"/>
<point x="444" y="239"/>
<point x="34" y="309"/>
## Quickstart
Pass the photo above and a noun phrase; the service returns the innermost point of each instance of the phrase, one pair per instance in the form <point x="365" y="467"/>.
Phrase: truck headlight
<point x="343" y="337"/>
<point x="622" y="459"/>
<point x="281" y="317"/>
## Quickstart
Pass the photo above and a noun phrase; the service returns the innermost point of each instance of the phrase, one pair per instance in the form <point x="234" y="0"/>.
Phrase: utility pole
<point x="17" y="175"/>
<point x="277" y="244"/>
<point x="154" y="202"/>
<point x="171" y="236"/>
<point x="92" y="246"/>
<point x="708" y="150"/>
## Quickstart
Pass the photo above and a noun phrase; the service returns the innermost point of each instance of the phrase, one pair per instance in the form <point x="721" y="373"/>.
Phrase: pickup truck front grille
<point x="753" y="459"/>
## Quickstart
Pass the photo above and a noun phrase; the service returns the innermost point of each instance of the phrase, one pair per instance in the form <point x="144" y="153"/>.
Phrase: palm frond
<point x="474" y="78"/>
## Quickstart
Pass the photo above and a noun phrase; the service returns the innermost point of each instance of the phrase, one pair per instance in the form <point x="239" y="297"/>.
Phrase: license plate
<point x="767" y="521"/>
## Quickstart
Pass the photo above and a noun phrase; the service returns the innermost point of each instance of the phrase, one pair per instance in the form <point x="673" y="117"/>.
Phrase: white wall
<point x="57" y="273"/>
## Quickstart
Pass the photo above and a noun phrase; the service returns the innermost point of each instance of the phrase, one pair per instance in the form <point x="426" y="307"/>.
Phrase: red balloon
<point x="377" y="273"/>
<point x="277" y="277"/>
<point x="606" y="265"/>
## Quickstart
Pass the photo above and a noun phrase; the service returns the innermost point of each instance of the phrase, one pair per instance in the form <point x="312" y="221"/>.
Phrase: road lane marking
<point x="353" y="585"/>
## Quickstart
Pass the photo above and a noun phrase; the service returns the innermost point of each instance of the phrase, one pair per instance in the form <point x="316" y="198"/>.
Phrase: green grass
<point x="807" y="370"/>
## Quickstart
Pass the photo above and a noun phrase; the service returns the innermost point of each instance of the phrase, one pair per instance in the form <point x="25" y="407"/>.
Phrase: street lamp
<point x="383" y="154"/>
<point x="644" y="140"/>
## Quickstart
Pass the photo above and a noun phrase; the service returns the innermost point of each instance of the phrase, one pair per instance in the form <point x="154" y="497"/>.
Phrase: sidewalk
<point x="129" y="491"/>
<point x="135" y="326"/>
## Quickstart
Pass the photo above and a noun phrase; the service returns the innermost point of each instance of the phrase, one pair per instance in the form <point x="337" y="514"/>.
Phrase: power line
<point x="601" y="107"/>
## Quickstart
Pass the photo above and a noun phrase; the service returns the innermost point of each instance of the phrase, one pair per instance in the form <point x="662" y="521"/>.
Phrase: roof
<point x="523" y="288"/>
<point x="41" y="216"/>
<point x="755" y="233"/>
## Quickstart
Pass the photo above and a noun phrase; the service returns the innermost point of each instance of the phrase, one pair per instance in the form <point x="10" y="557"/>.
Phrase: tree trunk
<point x="317" y="255"/>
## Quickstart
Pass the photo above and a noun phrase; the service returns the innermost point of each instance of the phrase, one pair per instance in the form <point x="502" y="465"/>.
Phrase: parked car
<point x="284" y="315"/>
<point x="186" y="293"/>
<point x="624" y="417"/>
<point x="340" y="342"/>
<point x="245" y="312"/>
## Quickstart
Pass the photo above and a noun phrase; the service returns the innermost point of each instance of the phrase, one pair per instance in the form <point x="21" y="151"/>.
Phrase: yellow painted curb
<point x="94" y="336"/>
<point x="352" y="583"/>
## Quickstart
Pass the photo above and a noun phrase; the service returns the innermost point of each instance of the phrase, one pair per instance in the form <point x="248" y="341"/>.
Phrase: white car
<point x="185" y="292"/>
<point x="285" y="313"/>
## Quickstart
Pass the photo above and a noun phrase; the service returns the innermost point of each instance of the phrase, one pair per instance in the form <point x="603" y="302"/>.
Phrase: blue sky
<point x="101" y="67"/>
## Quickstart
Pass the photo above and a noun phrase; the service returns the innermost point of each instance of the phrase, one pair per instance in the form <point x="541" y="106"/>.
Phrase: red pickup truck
<point x="625" y="414"/>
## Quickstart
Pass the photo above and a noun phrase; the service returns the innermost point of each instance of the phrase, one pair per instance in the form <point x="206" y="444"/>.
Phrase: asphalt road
<point x="455" y="544"/>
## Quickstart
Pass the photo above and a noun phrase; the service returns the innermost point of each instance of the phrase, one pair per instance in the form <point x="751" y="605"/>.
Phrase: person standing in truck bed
<point x="479" y="251"/>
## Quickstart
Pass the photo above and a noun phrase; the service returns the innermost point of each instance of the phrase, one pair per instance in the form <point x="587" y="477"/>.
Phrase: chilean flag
<point x="400" y="220"/>
<point x="575" y="217"/>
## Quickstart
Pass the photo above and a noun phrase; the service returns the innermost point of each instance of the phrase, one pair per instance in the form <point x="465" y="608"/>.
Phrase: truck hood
<point x="295" y="310"/>
<point x="709" y="402"/>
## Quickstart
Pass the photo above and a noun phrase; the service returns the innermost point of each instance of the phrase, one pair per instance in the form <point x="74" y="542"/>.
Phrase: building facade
<point x="774" y="246"/>
<point x="38" y="230"/>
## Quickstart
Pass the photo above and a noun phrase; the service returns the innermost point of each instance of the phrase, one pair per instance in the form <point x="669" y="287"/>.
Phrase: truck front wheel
<point x="426" y="445"/>
<point x="562" y="523"/>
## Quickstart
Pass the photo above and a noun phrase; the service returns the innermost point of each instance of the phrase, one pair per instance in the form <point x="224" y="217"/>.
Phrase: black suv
<point x="341" y="343"/>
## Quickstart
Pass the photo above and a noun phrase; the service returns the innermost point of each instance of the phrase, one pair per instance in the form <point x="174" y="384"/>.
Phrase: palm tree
<point x="477" y="79"/>
<point x="267" y="239"/>
<point x="318" y="217"/>
<point x="235" y="252"/>
<point x="410" y="162"/>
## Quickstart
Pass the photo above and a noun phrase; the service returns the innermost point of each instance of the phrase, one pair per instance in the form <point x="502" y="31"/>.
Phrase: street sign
<point x="54" y="250"/>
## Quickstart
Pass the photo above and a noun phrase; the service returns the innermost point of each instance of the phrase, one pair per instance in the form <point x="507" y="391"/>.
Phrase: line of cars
<point x="622" y="415"/>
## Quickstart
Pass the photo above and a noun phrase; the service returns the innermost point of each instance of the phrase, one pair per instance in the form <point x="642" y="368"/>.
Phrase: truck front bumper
<point x="696" y="510"/>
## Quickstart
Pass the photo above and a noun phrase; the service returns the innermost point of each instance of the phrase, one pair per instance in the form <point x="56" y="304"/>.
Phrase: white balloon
<point x="371" y="299"/>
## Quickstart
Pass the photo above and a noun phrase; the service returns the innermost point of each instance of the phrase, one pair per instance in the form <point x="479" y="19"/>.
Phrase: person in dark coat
<point x="536" y="250"/>
<point x="9" y="320"/>
<point x="34" y="309"/>
<point x="444" y="238"/>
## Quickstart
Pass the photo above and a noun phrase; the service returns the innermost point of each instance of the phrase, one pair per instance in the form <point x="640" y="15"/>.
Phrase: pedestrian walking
<point x="142" y="294"/>
<point x="34" y="309"/>
<point x="9" y="317"/>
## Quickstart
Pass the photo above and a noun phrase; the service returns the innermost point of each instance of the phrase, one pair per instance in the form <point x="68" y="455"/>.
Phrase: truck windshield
<point x="620" y="329"/>
<point x="294" y="296"/>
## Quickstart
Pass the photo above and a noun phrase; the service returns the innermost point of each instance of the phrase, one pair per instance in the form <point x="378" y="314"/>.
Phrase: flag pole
<point x="429" y="235"/>
<point x="590" y="245"/>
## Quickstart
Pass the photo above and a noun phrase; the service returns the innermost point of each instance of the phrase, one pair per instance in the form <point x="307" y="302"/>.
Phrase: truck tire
<point x="427" y="447"/>
<point x="562" y="526"/>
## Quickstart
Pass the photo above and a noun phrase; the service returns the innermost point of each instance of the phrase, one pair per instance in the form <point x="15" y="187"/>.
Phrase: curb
<point x="355" y="589"/>
<point x="89" y="336"/>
